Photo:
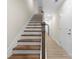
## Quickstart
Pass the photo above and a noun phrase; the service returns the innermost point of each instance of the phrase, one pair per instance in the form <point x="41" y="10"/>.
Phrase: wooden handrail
<point x="43" y="40"/>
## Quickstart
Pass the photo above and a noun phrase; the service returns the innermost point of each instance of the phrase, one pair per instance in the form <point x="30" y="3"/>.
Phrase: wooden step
<point x="29" y="40"/>
<point x="37" y="18"/>
<point x="32" y="30"/>
<point x="25" y="56"/>
<point x="34" y="25"/>
<point x="27" y="47"/>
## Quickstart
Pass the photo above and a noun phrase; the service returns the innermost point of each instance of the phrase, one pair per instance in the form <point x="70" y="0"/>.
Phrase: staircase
<point x="30" y="44"/>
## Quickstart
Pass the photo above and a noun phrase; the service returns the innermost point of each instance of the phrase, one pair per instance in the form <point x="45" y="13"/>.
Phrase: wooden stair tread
<point x="31" y="35"/>
<point x="29" y="40"/>
<point x="27" y="47"/>
<point x="34" y="24"/>
<point x="25" y="56"/>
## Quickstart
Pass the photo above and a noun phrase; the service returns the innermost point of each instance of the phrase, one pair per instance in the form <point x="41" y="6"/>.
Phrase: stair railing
<point x="43" y="40"/>
<point x="43" y="37"/>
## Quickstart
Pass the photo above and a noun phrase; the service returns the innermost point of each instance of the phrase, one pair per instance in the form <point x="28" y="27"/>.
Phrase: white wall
<point x="52" y="19"/>
<point x="51" y="16"/>
<point x="50" y="6"/>
<point x="18" y="13"/>
<point x="65" y="25"/>
<point x="59" y="22"/>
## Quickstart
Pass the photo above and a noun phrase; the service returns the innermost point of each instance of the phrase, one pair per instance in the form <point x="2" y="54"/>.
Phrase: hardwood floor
<point x="54" y="51"/>
<point x="24" y="56"/>
<point x="27" y="47"/>
<point x="29" y="40"/>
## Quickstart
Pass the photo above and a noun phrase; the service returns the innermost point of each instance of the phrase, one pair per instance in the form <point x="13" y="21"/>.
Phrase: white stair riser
<point x="35" y="21"/>
<point x="33" y="29"/>
<point x="34" y="26"/>
<point x="29" y="43"/>
<point x="26" y="51"/>
<point x="31" y="37"/>
<point x="32" y="33"/>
